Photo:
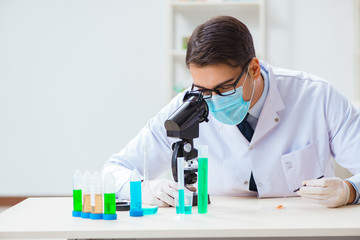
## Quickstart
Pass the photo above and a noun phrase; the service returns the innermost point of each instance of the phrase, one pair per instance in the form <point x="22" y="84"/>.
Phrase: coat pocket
<point x="301" y="165"/>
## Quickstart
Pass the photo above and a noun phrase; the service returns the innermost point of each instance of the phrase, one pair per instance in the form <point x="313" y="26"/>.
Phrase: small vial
<point x="145" y="163"/>
<point x="180" y="208"/>
<point x="203" y="179"/>
<point x="77" y="193"/>
<point x="96" y="197"/>
<point x="109" y="198"/>
<point x="86" y="188"/>
<point x="135" y="194"/>
<point x="145" y="184"/>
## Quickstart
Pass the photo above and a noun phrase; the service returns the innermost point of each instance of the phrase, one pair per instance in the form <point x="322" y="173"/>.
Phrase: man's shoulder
<point x="282" y="74"/>
<point x="293" y="84"/>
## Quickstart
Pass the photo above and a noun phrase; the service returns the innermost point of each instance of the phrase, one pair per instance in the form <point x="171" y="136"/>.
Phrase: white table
<point x="227" y="217"/>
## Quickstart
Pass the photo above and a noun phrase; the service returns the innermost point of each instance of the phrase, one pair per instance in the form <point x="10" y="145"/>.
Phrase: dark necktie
<point x="248" y="133"/>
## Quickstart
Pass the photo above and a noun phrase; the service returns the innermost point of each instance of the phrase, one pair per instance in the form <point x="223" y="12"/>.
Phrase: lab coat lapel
<point x="269" y="117"/>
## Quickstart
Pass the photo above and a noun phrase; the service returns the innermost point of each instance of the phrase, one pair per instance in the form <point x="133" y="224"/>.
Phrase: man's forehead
<point x="212" y="76"/>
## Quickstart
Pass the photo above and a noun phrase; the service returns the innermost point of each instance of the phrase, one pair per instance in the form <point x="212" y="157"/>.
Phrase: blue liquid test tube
<point x="180" y="175"/>
<point x="135" y="194"/>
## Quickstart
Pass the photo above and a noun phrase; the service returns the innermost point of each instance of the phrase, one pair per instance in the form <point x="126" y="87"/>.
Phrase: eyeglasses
<point x="222" y="90"/>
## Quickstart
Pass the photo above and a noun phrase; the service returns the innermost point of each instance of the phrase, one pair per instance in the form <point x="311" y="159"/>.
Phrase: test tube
<point x="145" y="183"/>
<point x="203" y="179"/>
<point x="145" y="164"/>
<point x="109" y="198"/>
<point x="135" y="194"/>
<point x="86" y="207"/>
<point x="77" y="194"/>
<point x="96" y="197"/>
<point x="180" y="178"/>
<point x="151" y="210"/>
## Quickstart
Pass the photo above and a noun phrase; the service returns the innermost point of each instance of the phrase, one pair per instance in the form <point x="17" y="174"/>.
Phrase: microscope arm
<point x="185" y="149"/>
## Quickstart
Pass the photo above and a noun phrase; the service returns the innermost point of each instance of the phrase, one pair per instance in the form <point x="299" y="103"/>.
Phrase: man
<point x="270" y="130"/>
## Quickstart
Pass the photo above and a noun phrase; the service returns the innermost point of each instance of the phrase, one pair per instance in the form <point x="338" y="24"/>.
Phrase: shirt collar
<point x="256" y="109"/>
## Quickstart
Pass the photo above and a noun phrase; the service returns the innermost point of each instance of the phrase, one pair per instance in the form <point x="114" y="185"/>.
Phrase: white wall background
<point x="79" y="78"/>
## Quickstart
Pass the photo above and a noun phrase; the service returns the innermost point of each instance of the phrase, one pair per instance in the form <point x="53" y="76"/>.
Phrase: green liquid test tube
<point x="109" y="198"/>
<point x="203" y="179"/>
<point x="77" y="194"/>
<point x="77" y="200"/>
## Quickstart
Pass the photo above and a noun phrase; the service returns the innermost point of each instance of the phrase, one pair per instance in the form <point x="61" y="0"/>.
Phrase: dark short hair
<point x="222" y="39"/>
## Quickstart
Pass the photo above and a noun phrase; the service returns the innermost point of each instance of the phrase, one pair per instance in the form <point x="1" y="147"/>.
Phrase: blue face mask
<point x="230" y="109"/>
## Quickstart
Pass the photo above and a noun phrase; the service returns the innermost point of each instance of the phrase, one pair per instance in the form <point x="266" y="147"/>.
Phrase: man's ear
<point x="254" y="68"/>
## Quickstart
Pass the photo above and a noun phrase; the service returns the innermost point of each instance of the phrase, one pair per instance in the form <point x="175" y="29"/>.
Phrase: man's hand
<point x="331" y="192"/>
<point x="159" y="192"/>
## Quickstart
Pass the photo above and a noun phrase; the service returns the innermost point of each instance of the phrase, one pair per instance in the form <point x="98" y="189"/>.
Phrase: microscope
<point x="184" y="124"/>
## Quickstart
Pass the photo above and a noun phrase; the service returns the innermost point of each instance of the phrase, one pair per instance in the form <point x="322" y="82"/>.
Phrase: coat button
<point x="259" y="184"/>
<point x="246" y="182"/>
<point x="277" y="120"/>
<point x="251" y="147"/>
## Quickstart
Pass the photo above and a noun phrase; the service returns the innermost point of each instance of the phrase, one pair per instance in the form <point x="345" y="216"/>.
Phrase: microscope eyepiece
<point x="184" y="122"/>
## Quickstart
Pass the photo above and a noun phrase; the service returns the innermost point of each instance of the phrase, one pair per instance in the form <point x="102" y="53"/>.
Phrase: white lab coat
<point x="303" y="123"/>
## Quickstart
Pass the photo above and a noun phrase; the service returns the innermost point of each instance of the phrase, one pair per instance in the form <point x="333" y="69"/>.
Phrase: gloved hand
<point x="331" y="192"/>
<point x="159" y="192"/>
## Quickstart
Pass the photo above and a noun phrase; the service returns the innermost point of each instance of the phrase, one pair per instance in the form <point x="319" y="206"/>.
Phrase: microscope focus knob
<point x="187" y="147"/>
